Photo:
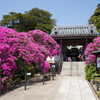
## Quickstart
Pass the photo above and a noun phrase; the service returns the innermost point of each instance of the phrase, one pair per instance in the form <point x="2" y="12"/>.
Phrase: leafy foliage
<point x="91" y="59"/>
<point x="98" y="94"/>
<point x="95" y="18"/>
<point x="25" y="51"/>
<point x="30" y="20"/>
<point x="90" y="72"/>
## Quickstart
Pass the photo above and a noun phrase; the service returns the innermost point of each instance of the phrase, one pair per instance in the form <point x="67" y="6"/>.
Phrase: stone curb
<point x="93" y="91"/>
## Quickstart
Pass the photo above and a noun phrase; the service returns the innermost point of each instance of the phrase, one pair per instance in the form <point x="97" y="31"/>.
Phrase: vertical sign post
<point x="26" y="74"/>
<point x="97" y="53"/>
<point x="98" y="62"/>
<point x="0" y="83"/>
<point x="53" y="71"/>
<point x="25" y="81"/>
<point x="43" y="75"/>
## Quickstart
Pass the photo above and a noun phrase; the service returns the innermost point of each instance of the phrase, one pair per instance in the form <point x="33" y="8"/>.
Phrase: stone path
<point x="70" y="85"/>
<point x="74" y="86"/>
<point x="73" y="69"/>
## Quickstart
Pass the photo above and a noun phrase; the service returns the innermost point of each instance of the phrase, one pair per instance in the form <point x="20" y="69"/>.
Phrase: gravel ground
<point x="70" y="85"/>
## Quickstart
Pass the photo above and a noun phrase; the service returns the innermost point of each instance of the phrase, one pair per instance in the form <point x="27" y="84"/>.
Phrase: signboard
<point x="98" y="62"/>
<point x="50" y="60"/>
<point x="53" y="66"/>
<point x="28" y="73"/>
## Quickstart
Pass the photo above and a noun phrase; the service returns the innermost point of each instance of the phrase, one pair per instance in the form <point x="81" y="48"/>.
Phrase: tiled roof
<point x="80" y="30"/>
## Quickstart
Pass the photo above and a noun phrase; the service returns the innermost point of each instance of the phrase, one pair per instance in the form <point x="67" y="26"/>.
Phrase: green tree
<point x="34" y="19"/>
<point x="95" y="18"/>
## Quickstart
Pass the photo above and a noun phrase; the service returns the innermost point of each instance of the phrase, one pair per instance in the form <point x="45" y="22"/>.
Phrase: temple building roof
<point x="78" y="30"/>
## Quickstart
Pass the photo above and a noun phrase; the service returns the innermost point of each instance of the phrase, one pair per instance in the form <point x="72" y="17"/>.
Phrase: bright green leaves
<point x="95" y="18"/>
<point x="30" y="20"/>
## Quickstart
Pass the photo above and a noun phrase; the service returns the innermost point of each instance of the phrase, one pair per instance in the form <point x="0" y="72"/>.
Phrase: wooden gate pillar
<point x="61" y="45"/>
<point x="86" y="42"/>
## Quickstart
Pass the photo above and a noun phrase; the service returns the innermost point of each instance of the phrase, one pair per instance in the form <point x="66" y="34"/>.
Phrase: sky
<point x="65" y="12"/>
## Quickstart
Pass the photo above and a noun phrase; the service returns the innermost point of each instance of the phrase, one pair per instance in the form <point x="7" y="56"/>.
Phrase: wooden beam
<point x="74" y="37"/>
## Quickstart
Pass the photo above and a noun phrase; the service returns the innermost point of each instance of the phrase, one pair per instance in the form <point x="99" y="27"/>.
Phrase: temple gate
<point x="74" y="35"/>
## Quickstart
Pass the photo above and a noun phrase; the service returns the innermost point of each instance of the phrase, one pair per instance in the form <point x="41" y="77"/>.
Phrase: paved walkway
<point x="74" y="86"/>
<point x="70" y="85"/>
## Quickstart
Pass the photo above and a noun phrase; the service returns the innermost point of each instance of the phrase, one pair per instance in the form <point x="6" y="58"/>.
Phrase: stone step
<point x="73" y="69"/>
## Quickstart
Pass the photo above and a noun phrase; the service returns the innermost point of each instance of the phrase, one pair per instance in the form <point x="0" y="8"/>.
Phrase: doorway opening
<point x="72" y="53"/>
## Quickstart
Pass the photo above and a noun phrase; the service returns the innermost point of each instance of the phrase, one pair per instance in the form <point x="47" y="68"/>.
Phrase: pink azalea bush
<point x="46" y="68"/>
<point x="91" y="59"/>
<point x="95" y="45"/>
<point x="46" y="40"/>
<point x="31" y="47"/>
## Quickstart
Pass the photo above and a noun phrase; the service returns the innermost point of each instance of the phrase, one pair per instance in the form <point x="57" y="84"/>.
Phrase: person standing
<point x="81" y="54"/>
<point x="77" y="54"/>
<point x="69" y="56"/>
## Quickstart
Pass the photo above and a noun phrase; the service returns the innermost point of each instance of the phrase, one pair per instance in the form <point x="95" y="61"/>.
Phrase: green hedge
<point x="90" y="72"/>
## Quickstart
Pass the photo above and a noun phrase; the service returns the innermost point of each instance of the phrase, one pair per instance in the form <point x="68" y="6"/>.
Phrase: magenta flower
<point x="90" y="58"/>
<point x="33" y="47"/>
